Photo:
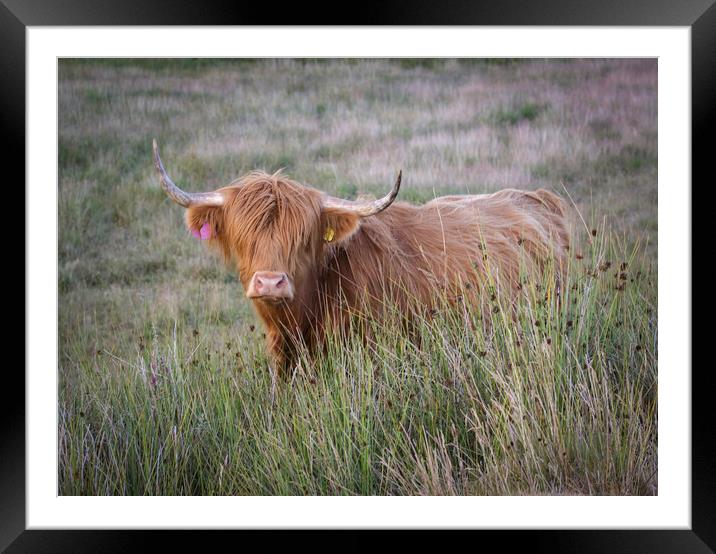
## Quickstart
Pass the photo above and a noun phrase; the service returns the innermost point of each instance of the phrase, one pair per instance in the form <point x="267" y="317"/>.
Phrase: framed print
<point x="456" y="291"/>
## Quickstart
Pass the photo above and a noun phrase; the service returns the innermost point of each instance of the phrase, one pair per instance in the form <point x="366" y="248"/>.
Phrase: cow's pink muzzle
<point x="270" y="285"/>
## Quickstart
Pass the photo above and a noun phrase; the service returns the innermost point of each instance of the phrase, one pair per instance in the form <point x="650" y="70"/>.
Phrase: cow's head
<point x="275" y="229"/>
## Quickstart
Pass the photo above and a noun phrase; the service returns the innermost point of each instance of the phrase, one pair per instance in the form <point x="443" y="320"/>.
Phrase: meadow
<point x="164" y="387"/>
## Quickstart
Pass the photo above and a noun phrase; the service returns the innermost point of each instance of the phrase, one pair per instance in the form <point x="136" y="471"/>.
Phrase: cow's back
<point x="540" y="214"/>
<point x="498" y="233"/>
<point x="418" y="253"/>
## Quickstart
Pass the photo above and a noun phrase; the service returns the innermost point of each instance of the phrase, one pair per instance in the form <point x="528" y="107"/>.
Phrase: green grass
<point x="164" y="386"/>
<point x="529" y="111"/>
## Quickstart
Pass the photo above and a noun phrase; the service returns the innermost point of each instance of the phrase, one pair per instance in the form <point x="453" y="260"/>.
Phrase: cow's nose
<point x="270" y="285"/>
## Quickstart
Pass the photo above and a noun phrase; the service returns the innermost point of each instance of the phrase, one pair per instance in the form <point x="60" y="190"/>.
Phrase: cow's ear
<point x="338" y="225"/>
<point x="204" y="222"/>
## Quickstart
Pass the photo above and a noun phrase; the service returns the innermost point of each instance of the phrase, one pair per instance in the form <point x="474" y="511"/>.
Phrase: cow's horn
<point x="365" y="208"/>
<point x="186" y="199"/>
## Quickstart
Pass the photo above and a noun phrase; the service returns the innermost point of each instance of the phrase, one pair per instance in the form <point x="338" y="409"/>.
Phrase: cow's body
<point x="320" y="259"/>
<point x="416" y="255"/>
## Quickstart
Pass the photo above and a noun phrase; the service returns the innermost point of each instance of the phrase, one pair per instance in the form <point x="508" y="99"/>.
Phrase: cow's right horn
<point x="365" y="208"/>
<point x="185" y="199"/>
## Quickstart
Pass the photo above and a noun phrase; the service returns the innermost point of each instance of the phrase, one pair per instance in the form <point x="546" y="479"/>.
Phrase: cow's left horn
<point x="186" y="199"/>
<point x="365" y="208"/>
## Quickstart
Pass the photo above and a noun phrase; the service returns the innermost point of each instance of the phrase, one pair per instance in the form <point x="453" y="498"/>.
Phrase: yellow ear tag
<point x="329" y="234"/>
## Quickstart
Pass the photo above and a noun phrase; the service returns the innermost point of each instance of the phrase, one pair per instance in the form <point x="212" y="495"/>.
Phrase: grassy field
<point x="163" y="382"/>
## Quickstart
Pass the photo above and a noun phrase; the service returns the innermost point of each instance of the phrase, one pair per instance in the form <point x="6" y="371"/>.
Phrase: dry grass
<point x="158" y="351"/>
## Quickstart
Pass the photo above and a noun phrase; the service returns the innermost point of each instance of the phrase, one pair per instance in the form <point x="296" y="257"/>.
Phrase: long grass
<point x="555" y="394"/>
<point x="164" y="386"/>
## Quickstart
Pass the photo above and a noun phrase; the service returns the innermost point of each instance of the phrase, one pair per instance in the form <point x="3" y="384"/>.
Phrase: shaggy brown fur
<point x="406" y="254"/>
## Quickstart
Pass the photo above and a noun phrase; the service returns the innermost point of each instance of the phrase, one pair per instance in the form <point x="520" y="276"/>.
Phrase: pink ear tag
<point x="195" y="233"/>
<point x="205" y="231"/>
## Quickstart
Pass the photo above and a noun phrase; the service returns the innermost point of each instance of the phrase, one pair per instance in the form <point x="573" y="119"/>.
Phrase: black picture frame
<point x="699" y="15"/>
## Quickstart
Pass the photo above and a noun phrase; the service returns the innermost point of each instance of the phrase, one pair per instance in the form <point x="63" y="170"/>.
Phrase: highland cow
<point x="308" y="260"/>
